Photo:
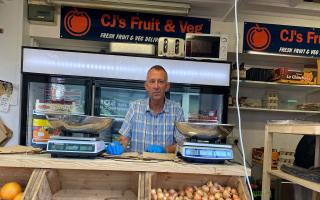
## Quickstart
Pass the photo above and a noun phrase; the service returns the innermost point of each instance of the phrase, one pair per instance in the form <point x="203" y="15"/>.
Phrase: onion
<point x="154" y="197"/>
<point x="204" y="198"/>
<point x="181" y="193"/>
<point x="213" y="190"/>
<point x="159" y="190"/>
<point x="235" y="196"/>
<point x="209" y="184"/>
<point x="218" y="195"/>
<point x="234" y="191"/>
<point x="226" y="194"/>
<point x="211" y="197"/>
<point x="221" y="189"/>
<point x="189" y="195"/>
<point x="160" y="196"/>
<point x="228" y="188"/>
<point x="172" y="192"/>
<point x="205" y="188"/>
<point x="153" y="191"/>
<point x="200" y="192"/>
<point x="188" y="189"/>
<point x="197" y="197"/>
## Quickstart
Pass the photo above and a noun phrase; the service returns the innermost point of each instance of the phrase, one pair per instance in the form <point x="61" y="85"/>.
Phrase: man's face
<point x="156" y="84"/>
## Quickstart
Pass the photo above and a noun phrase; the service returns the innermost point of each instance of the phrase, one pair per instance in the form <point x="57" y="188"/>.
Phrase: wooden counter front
<point x="107" y="178"/>
<point x="45" y="161"/>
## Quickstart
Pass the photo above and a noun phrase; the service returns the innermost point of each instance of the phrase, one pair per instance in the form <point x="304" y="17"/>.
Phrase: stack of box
<point x="257" y="156"/>
<point x="286" y="157"/>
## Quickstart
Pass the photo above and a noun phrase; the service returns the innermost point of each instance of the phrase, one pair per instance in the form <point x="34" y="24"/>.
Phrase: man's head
<point x="157" y="83"/>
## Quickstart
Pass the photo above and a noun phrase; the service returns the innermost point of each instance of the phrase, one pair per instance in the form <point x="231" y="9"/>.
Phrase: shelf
<point x="54" y="113"/>
<point x="274" y="60"/>
<point x="272" y="85"/>
<point x="274" y="110"/>
<point x="308" y="184"/>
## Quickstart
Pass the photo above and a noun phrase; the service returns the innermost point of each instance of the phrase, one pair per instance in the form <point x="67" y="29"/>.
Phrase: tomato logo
<point x="258" y="38"/>
<point x="77" y="23"/>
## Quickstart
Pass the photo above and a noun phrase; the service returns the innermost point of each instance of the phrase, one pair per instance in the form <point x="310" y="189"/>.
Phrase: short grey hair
<point x="158" y="68"/>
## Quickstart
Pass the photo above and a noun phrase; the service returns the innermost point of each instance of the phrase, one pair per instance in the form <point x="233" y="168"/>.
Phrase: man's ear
<point x="168" y="87"/>
<point x="145" y="85"/>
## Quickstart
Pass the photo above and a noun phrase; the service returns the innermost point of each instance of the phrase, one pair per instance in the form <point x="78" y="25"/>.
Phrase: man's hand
<point x="155" y="149"/>
<point x="115" y="148"/>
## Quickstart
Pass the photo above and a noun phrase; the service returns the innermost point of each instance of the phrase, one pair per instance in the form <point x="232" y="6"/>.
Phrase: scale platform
<point x="205" y="152"/>
<point x="60" y="146"/>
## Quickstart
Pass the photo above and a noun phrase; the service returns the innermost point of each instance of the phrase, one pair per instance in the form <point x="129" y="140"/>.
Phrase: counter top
<point x="112" y="164"/>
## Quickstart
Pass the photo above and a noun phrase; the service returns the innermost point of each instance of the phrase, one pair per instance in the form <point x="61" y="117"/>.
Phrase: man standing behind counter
<point x="150" y="123"/>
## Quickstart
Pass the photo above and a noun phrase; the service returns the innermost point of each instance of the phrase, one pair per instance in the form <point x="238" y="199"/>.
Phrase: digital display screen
<point x="87" y="147"/>
<point x="72" y="147"/>
<point x="206" y="153"/>
<point x="209" y="153"/>
<point x="53" y="146"/>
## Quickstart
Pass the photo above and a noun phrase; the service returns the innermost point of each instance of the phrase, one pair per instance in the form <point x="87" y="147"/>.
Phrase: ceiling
<point x="221" y="10"/>
<point x="224" y="9"/>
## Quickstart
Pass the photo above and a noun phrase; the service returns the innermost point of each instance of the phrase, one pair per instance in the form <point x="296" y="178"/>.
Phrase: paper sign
<point x="4" y="103"/>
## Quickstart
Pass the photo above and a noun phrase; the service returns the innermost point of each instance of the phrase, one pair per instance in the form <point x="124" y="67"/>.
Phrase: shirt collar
<point x="165" y="107"/>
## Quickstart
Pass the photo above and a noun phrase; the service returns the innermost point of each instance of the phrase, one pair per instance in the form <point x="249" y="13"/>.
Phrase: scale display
<point x="71" y="147"/>
<point x="208" y="153"/>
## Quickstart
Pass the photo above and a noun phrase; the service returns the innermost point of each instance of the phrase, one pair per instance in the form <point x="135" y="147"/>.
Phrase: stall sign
<point x="281" y="39"/>
<point x="105" y="25"/>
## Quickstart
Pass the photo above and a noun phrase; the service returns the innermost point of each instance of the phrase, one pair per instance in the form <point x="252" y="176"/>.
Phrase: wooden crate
<point x="23" y="176"/>
<point x="179" y="181"/>
<point x="63" y="184"/>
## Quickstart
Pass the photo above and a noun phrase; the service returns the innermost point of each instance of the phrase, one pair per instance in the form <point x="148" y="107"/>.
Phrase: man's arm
<point x="171" y="148"/>
<point x="123" y="141"/>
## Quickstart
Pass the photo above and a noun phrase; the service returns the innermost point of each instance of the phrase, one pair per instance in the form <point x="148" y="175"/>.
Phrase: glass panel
<point x="44" y="98"/>
<point x="115" y="101"/>
<point x="199" y="106"/>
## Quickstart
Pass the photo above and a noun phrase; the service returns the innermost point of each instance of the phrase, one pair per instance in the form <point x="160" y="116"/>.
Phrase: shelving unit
<point x="286" y="93"/>
<point x="297" y="128"/>
<point x="274" y="110"/>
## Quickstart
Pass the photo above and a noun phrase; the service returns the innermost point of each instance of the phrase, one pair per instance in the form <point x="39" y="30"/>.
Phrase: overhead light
<point x="129" y="5"/>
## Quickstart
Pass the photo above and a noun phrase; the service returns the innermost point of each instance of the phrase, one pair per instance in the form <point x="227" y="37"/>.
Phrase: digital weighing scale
<point x="60" y="146"/>
<point x="205" y="152"/>
<point x="204" y="142"/>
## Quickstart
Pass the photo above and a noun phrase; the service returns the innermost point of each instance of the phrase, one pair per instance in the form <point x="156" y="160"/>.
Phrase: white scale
<point x="60" y="146"/>
<point x="205" y="152"/>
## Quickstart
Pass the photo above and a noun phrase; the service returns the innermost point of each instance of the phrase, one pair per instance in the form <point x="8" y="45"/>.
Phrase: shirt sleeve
<point x="179" y="118"/>
<point x="126" y="126"/>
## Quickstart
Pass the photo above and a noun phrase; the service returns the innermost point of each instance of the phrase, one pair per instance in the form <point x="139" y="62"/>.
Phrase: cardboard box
<point x="5" y="134"/>
<point x="284" y="75"/>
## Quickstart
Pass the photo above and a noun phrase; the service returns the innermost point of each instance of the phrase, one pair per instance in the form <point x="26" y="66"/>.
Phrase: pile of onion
<point x="209" y="191"/>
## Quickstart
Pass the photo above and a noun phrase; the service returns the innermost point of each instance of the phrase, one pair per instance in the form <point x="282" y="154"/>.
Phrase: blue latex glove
<point x="115" y="148"/>
<point x="155" y="149"/>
